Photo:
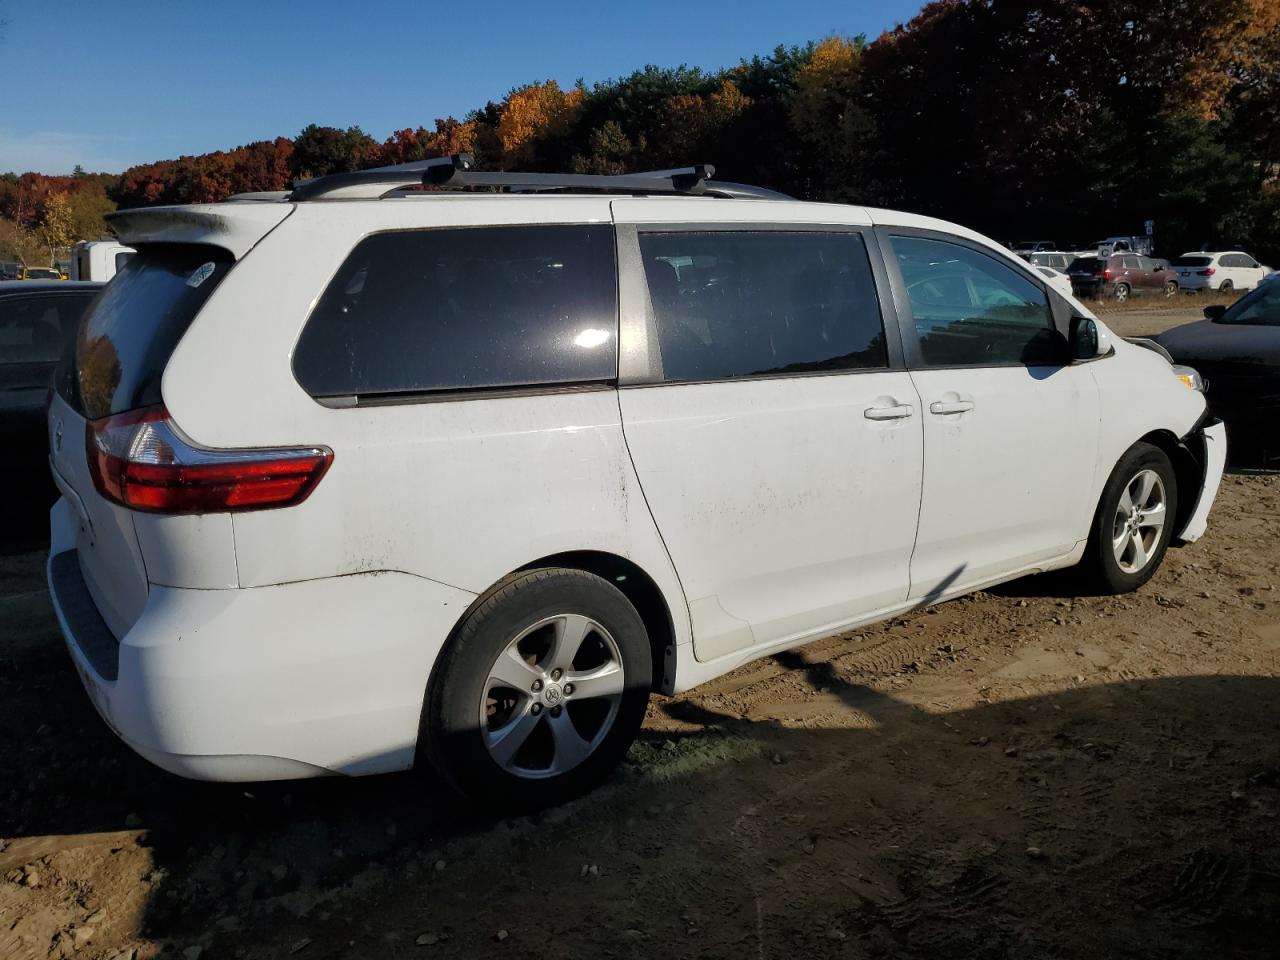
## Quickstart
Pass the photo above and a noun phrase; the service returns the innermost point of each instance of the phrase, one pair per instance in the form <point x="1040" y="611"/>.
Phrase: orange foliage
<point x="534" y="114"/>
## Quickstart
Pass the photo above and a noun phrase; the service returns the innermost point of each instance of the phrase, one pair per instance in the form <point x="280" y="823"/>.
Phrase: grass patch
<point x="1157" y="302"/>
<point x="667" y="758"/>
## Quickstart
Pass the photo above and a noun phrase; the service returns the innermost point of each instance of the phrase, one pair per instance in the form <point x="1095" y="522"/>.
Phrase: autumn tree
<point x="609" y="151"/>
<point x="534" y="120"/>
<point x="88" y="210"/>
<point x="18" y="243"/>
<point x="56" y="225"/>
<point x="829" y="119"/>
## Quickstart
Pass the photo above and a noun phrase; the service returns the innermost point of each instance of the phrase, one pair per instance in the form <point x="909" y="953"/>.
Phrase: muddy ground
<point x="1021" y="774"/>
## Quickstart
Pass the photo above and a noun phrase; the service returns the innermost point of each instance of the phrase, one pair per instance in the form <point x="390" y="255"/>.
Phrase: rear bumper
<point x="295" y="680"/>
<point x="1214" y="437"/>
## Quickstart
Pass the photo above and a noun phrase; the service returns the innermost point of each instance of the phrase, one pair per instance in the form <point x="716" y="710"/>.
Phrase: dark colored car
<point x="1237" y="351"/>
<point x="1121" y="276"/>
<point x="38" y="319"/>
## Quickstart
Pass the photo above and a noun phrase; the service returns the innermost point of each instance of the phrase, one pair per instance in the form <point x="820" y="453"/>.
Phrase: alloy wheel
<point x="552" y="696"/>
<point x="1139" y="521"/>
<point x="1122" y="293"/>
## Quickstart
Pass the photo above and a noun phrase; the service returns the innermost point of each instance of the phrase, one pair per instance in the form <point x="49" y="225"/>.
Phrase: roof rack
<point x="457" y="173"/>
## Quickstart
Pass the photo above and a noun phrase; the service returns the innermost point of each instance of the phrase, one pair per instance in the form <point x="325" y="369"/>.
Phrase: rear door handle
<point x="951" y="406"/>
<point x="898" y="411"/>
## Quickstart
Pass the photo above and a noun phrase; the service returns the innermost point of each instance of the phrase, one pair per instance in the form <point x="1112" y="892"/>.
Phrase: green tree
<point x="318" y="151"/>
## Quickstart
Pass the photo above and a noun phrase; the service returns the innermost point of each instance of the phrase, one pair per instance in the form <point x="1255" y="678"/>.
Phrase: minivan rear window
<point x="1190" y="261"/>
<point x="131" y="330"/>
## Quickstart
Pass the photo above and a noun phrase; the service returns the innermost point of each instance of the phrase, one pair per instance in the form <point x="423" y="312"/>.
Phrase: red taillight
<point x="140" y="460"/>
<point x="1206" y="273"/>
<point x="1106" y="273"/>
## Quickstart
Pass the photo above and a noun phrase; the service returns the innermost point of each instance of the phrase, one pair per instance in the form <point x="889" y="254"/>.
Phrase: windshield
<point x="129" y="333"/>
<point x="1261" y="307"/>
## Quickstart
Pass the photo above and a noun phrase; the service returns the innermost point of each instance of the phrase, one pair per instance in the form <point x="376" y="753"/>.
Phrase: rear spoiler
<point x="234" y="227"/>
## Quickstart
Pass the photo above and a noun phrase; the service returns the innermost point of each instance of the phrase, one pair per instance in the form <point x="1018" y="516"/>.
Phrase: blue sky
<point x="107" y="85"/>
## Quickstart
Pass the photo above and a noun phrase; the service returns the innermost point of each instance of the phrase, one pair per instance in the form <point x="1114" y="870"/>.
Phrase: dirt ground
<point x="1020" y="774"/>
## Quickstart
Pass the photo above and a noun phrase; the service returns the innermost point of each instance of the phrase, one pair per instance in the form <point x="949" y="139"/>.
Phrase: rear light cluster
<point x="141" y="460"/>
<point x="1206" y="273"/>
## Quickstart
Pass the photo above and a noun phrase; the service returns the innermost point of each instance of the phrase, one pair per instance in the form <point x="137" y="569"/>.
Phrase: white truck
<point x="98" y="259"/>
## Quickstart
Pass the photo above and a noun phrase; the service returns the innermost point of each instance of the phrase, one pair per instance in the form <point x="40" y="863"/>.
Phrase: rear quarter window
<point x="429" y="311"/>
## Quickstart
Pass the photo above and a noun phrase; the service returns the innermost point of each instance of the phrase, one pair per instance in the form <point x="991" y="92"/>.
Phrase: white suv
<point x="366" y="475"/>
<point x="1231" y="270"/>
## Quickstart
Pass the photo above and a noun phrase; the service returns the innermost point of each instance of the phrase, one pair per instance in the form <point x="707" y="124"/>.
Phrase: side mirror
<point x="1084" y="340"/>
<point x="1215" y="311"/>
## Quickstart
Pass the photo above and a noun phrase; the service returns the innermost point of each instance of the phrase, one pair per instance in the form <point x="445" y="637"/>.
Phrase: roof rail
<point x="457" y="173"/>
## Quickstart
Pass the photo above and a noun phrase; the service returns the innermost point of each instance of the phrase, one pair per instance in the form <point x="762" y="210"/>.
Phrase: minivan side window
<point x="969" y="309"/>
<point x="422" y="311"/>
<point x="731" y="304"/>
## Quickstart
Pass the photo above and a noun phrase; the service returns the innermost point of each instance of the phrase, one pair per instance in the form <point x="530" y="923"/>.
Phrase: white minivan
<point x="368" y="474"/>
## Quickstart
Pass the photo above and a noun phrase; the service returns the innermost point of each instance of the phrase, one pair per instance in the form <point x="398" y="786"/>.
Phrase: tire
<point x="1121" y="292"/>
<point x="1112" y="560"/>
<point x="1226" y="286"/>
<point x="499" y="672"/>
<point x="1171" y="289"/>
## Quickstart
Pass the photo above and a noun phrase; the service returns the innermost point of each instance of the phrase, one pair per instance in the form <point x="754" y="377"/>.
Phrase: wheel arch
<point x="643" y="593"/>
<point x="1187" y="472"/>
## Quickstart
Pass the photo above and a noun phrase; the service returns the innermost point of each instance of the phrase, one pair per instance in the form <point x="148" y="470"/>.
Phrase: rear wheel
<point x="1171" y="289"/>
<point x="1227" y="286"/>
<point x="1121" y="292"/>
<point x="540" y="692"/>
<point x="1134" y="522"/>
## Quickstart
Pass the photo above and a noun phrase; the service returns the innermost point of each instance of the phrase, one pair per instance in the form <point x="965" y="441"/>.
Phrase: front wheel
<point x="1134" y="522"/>
<point x="540" y="692"/>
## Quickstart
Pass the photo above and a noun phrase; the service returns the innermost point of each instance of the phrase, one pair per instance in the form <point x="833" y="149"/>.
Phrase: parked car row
<point x="18" y="271"/>
<point x="1119" y="276"/>
<point x="97" y="260"/>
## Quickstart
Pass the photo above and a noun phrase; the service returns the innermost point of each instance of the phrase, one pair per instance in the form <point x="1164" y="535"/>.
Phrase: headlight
<point x="1190" y="377"/>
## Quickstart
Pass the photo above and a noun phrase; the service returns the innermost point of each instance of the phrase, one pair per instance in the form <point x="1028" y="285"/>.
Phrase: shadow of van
<point x="1127" y="819"/>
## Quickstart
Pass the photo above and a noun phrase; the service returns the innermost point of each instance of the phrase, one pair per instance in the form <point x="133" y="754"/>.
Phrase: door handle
<point x="898" y="411"/>
<point x="951" y="406"/>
